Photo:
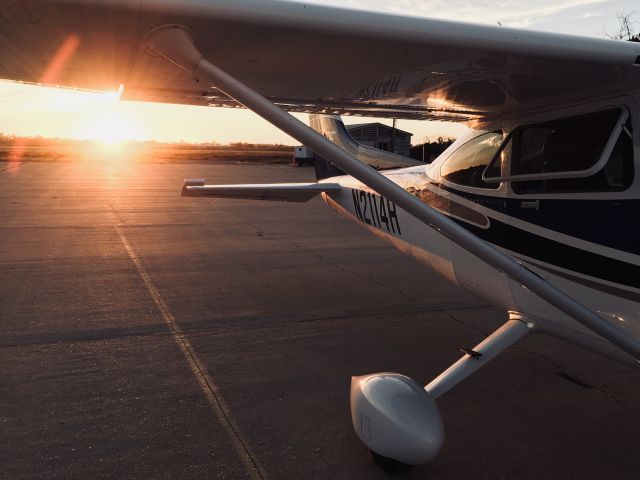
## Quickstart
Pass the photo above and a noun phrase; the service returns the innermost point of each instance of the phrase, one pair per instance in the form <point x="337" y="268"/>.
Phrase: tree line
<point x="428" y="151"/>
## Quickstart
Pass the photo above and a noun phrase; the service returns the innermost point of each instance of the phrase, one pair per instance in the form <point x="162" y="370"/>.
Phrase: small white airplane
<point x="534" y="209"/>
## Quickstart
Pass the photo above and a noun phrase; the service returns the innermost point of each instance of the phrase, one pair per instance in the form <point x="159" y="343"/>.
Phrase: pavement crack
<point x="470" y="325"/>
<point x="200" y="327"/>
<point x="575" y="380"/>
<point x="11" y="166"/>
<point x="259" y="231"/>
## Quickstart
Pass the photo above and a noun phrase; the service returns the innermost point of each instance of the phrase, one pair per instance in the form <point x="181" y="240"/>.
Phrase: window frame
<point x="487" y="189"/>
<point x="618" y="129"/>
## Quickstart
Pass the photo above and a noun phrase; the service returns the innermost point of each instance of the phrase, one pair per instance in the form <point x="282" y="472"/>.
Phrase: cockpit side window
<point x="466" y="165"/>
<point x="573" y="145"/>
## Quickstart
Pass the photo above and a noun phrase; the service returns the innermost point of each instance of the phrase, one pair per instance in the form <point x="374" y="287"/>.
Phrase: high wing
<point x="335" y="61"/>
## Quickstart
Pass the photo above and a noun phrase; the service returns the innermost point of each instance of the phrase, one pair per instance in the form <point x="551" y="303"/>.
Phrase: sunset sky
<point x="29" y="110"/>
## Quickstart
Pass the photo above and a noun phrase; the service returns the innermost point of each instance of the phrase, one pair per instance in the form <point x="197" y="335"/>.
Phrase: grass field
<point x="21" y="150"/>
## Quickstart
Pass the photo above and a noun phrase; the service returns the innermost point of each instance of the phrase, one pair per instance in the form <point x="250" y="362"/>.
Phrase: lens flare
<point x="109" y="128"/>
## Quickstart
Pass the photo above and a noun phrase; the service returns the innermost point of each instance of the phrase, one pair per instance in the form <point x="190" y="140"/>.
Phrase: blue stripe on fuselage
<point x="610" y="223"/>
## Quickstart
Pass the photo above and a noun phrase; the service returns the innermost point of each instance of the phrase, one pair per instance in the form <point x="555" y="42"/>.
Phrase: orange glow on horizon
<point x="30" y="111"/>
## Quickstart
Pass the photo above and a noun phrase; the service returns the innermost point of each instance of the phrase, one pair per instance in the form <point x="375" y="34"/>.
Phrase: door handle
<point x="530" y="205"/>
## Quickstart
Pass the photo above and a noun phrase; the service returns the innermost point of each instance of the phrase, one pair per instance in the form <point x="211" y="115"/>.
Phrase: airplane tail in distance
<point x="332" y="127"/>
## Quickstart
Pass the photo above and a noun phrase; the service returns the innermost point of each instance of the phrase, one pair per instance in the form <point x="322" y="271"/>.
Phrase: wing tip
<point x="188" y="191"/>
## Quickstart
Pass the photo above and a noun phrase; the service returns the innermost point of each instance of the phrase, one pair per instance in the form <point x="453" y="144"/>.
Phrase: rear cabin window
<point x="572" y="145"/>
<point x="466" y="165"/>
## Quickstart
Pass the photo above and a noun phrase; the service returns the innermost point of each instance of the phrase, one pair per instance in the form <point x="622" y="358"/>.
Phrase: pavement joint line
<point x="11" y="167"/>
<point x="204" y="329"/>
<point x="208" y="387"/>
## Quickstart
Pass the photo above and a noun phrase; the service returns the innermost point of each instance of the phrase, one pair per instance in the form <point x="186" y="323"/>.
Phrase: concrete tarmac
<point x="145" y="335"/>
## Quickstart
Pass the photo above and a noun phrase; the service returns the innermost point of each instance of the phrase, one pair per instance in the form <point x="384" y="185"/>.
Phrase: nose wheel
<point x="398" y="419"/>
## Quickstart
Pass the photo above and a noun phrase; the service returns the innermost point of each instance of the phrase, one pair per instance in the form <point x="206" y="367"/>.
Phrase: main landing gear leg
<point x="397" y="418"/>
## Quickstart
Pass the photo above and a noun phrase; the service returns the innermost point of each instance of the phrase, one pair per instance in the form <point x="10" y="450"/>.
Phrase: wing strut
<point x="175" y="43"/>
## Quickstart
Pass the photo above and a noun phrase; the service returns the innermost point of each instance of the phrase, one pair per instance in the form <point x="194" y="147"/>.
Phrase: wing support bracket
<point x="176" y="44"/>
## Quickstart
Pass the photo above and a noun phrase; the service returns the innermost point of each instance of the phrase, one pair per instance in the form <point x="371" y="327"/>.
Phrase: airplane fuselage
<point x="585" y="243"/>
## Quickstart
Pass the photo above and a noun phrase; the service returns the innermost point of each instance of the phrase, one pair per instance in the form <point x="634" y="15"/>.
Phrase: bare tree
<point x="626" y="27"/>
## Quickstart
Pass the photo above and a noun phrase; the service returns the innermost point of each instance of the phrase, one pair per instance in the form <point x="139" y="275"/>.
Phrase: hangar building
<point x="382" y="137"/>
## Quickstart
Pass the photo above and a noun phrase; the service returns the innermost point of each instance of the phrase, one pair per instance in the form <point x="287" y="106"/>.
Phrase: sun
<point x="109" y="127"/>
<point x="105" y="118"/>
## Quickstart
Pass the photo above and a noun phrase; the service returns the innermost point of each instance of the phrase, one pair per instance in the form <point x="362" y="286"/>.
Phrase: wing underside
<point x="309" y="58"/>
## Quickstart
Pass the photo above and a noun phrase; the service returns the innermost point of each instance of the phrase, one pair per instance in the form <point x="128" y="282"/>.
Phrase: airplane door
<point x="568" y="198"/>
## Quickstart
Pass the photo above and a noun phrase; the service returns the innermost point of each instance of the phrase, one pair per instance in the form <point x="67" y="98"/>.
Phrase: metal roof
<point x="357" y="126"/>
